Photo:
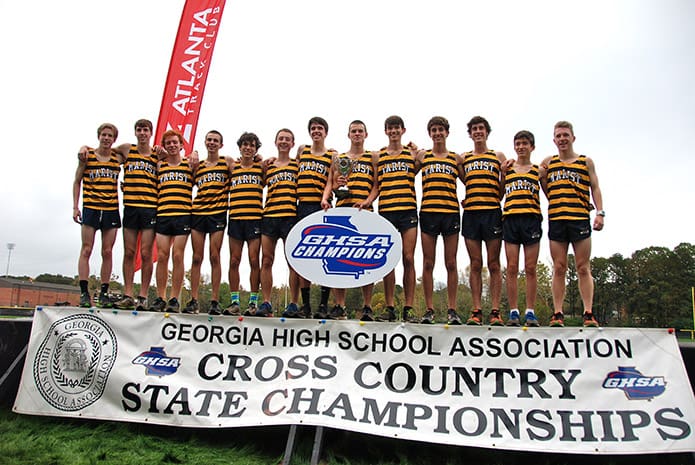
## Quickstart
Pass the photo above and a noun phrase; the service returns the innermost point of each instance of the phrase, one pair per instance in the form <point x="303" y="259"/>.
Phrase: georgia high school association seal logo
<point x="73" y="362"/>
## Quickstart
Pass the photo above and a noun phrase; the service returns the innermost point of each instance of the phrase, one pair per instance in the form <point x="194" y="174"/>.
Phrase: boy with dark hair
<point x="439" y="215"/>
<point x="482" y="218"/>
<point x="521" y="225"/>
<point x="245" y="214"/>
<point x="279" y="216"/>
<point x="209" y="217"/>
<point x="174" y="200"/>
<point x="396" y="170"/>
<point x="314" y="178"/>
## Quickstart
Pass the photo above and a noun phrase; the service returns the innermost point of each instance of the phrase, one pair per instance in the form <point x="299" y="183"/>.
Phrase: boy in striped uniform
<point x="570" y="183"/>
<point x="396" y="170"/>
<point x="482" y="218"/>
<point x="439" y="214"/>
<point x="315" y="177"/>
<point x="362" y="192"/>
<point x="97" y="178"/>
<point x="521" y="225"/>
<point x="245" y="214"/>
<point x="209" y="217"/>
<point x="279" y="216"/>
<point x="174" y="200"/>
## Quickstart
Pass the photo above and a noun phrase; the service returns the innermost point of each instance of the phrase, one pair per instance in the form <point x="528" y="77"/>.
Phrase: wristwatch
<point x="601" y="213"/>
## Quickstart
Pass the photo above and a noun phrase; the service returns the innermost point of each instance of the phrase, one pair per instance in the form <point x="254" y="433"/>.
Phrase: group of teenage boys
<point x="501" y="203"/>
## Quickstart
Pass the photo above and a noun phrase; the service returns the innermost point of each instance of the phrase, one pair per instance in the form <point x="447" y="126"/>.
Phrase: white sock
<point x="529" y="310"/>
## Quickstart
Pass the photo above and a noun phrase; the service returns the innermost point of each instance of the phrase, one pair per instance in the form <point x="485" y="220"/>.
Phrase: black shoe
<point x="173" y="306"/>
<point x="322" y="313"/>
<point x="104" y="301"/>
<point x="428" y="317"/>
<point x="452" y="317"/>
<point x="388" y="315"/>
<point x="408" y="316"/>
<point x="367" y="314"/>
<point x="159" y="305"/>
<point x="337" y="313"/>
<point x="232" y="310"/>
<point x="141" y="303"/>
<point x="305" y="311"/>
<point x="85" y="301"/>
<point x="214" y="308"/>
<point x="191" y="307"/>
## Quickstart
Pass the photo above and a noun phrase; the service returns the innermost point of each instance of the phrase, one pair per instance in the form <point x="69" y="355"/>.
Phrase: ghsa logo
<point x="342" y="248"/>
<point x="157" y="363"/>
<point x="634" y="384"/>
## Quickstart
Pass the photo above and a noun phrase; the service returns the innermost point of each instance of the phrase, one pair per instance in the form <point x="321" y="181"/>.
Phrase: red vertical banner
<point x="188" y="69"/>
<point x="188" y="73"/>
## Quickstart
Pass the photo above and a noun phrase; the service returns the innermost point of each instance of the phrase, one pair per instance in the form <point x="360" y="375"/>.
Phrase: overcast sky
<point x="621" y="71"/>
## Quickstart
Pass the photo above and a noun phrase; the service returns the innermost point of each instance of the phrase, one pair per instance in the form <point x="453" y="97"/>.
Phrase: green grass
<point x="33" y="440"/>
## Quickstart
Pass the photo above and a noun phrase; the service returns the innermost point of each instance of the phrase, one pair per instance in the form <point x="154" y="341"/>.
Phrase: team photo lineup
<point x="169" y="196"/>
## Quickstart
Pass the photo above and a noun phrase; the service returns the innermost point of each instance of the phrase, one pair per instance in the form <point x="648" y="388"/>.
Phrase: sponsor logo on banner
<point x="157" y="362"/>
<point x="343" y="247"/>
<point x="73" y="362"/>
<point x="634" y="384"/>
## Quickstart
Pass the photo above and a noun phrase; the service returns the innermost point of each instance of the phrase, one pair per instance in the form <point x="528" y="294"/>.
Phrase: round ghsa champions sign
<point x="343" y="247"/>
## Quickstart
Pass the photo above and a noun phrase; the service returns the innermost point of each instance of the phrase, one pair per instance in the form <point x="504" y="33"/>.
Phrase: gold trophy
<point x="343" y="164"/>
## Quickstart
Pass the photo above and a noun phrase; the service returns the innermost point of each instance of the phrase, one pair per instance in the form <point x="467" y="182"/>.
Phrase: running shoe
<point x="337" y="313"/>
<point x="557" y="320"/>
<point x="214" y="308"/>
<point x="191" y="307"/>
<point x="251" y="310"/>
<point x="173" y="306"/>
<point x="367" y="313"/>
<point x="232" y="310"/>
<point x="125" y="303"/>
<point x="305" y="311"/>
<point x="428" y="317"/>
<point x="589" y="320"/>
<point x="292" y="311"/>
<point x="531" y="320"/>
<point x="496" y="318"/>
<point x="452" y="317"/>
<point x="476" y="318"/>
<point x="322" y="313"/>
<point x="104" y="301"/>
<point x="514" y="319"/>
<point x="85" y="301"/>
<point x="159" y="305"/>
<point x="141" y="304"/>
<point x="388" y="315"/>
<point x="265" y="310"/>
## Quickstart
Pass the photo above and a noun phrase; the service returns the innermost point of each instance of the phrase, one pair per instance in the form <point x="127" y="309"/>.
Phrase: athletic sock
<point x="235" y="296"/>
<point x="325" y="294"/>
<point x="306" y="295"/>
<point x="84" y="286"/>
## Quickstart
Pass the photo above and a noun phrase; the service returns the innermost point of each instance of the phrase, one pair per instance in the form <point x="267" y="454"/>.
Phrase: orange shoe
<point x="589" y="320"/>
<point x="557" y="320"/>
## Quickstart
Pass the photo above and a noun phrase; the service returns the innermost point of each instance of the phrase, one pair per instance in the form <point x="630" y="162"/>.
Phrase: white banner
<point x="567" y="390"/>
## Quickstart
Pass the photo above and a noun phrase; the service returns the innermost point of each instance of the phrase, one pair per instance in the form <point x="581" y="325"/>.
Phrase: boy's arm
<point x="595" y="193"/>
<point x="374" y="193"/>
<point x="543" y="175"/>
<point x="328" y="189"/>
<point x="76" y="188"/>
